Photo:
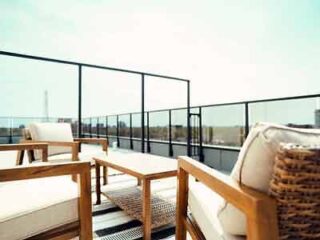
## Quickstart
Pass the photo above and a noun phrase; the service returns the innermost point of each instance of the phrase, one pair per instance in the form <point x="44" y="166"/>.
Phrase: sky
<point x="230" y="50"/>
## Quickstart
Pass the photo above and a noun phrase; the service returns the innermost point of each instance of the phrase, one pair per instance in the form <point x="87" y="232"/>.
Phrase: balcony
<point x="210" y="134"/>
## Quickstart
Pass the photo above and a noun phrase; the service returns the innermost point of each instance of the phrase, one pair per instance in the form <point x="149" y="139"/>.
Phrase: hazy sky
<point x="231" y="50"/>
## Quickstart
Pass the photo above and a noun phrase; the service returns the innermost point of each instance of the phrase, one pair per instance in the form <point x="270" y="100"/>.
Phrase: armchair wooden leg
<point x="98" y="187"/>
<point x="105" y="175"/>
<point x="20" y="156"/>
<point x="182" y="203"/>
<point x="85" y="206"/>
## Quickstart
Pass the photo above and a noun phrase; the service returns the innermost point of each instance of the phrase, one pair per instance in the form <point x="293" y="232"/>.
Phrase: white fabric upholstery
<point x="30" y="207"/>
<point x="51" y="132"/>
<point x="255" y="163"/>
<point x="83" y="156"/>
<point x="204" y="205"/>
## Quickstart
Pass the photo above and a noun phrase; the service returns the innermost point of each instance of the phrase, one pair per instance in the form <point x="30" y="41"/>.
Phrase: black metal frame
<point x="81" y="65"/>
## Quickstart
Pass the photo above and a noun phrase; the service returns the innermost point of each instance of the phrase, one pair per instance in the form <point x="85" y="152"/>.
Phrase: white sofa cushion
<point x="255" y="164"/>
<point x="30" y="207"/>
<point x="83" y="156"/>
<point x="204" y="205"/>
<point x="51" y="132"/>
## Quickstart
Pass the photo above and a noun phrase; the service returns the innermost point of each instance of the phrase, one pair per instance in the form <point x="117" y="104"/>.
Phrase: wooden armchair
<point x="62" y="146"/>
<point x="238" y="206"/>
<point x="259" y="208"/>
<point x="34" y="206"/>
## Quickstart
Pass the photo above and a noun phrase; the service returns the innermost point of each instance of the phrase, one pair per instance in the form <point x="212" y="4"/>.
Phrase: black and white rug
<point x="111" y="223"/>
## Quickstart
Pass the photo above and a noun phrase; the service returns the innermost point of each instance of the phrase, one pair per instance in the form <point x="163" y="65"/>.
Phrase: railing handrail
<point x="13" y="54"/>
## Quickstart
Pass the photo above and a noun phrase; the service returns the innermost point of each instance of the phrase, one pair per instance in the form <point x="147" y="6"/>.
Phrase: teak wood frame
<point x="82" y="227"/>
<point x="75" y="148"/>
<point x="144" y="180"/>
<point x="260" y="209"/>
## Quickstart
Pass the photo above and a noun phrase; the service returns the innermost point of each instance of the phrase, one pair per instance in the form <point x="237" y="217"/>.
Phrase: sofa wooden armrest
<point x="82" y="169"/>
<point x="26" y="146"/>
<point x="259" y="208"/>
<point x="102" y="142"/>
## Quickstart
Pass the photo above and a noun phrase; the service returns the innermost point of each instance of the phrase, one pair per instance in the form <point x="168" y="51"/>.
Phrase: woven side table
<point x="296" y="187"/>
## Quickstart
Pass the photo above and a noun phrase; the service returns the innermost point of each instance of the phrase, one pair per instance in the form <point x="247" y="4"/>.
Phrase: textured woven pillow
<point x="255" y="164"/>
<point x="58" y="132"/>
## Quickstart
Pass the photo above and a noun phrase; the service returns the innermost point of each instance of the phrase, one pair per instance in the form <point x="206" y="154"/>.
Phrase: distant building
<point x="317" y="118"/>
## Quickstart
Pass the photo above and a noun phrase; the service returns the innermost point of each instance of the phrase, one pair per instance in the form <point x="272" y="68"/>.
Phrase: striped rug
<point x="111" y="223"/>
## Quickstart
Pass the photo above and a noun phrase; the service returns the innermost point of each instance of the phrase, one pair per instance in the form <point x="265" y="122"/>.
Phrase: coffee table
<point x="145" y="167"/>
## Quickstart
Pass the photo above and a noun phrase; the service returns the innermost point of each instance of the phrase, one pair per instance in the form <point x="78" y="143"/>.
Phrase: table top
<point x="141" y="165"/>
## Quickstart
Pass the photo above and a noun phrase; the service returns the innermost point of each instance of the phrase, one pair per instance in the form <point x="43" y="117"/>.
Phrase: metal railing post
<point x="97" y="128"/>
<point x="118" y="140"/>
<point x="201" y="155"/>
<point x="90" y="129"/>
<point x="131" y="142"/>
<point x="246" y="109"/>
<point x="188" y="121"/>
<point x="148" y="134"/>
<point x="142" y="115"/>
<point x="79" y="101"/>
<point x="170" y="136"/>
<point x="107" y="130"/>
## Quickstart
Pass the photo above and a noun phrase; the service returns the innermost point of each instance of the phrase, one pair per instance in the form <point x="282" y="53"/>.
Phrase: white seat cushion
<point x="30" y="207"/>
<point x="255" y="164"/>
<point x="51" y="132"/>
<point x="83" y="156"/>
<point x="204" y="205"/>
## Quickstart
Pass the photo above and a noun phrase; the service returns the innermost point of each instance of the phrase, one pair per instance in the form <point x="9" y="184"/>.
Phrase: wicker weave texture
<point x="130" y="200"/>
<point x="296" y="187"/>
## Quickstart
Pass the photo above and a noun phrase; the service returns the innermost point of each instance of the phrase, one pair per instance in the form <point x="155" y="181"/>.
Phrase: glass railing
<point x="221" y="125"/>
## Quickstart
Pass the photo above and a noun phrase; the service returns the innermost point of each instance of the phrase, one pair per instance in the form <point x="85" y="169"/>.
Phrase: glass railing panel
<point x="94" y="125"/>
<point x="108" y="92"/>
<point x="302" y="113"/>
<point x="179" y="125"/>
<point x="159" y="125"/>
<point x="112" y="125"/>
<point x="102" y="127"/>
<point x="162" y="93"/>
<point x="38" y="88"/>
<point x="136" y="125"/>
<point x="124" y="125"/>
<point x="223" y="125"/>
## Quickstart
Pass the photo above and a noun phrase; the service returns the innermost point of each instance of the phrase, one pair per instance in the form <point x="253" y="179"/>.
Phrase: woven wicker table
<point x="145" y="167"/>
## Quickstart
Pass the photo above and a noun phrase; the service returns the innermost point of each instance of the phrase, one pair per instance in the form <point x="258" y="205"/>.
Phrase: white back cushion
<point x="58" y="132"/>
<point x="255" y="164"/>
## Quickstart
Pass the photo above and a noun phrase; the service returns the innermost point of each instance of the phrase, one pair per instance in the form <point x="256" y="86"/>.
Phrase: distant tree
<point x="210" y="134"/>
<point x="122" y="124"/>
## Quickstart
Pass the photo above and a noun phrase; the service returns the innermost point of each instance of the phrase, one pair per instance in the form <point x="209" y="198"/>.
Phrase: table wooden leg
<point x="139" y="181"/>
<point x="98" y="187"/>
<point x="105" y="175"/>
<point x="146" y="209"/>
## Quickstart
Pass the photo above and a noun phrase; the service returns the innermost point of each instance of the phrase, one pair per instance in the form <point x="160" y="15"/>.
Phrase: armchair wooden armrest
<point x="259" y="208"/>
<point x="102" y="142"/>
<point x="73" y="145"/>
<point x="59" y="169"/>
<point x="26" y="146"/>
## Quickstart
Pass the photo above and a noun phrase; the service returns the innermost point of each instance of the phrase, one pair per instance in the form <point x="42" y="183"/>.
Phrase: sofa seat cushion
<point x="204" y="205"/>
<point x="56" y="132"/>
<point x="30" y="207"/>
<point x="83" y="156"/>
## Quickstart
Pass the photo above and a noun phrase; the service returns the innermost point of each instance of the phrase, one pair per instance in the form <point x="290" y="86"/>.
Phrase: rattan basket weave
<point x="296" y="187"/>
